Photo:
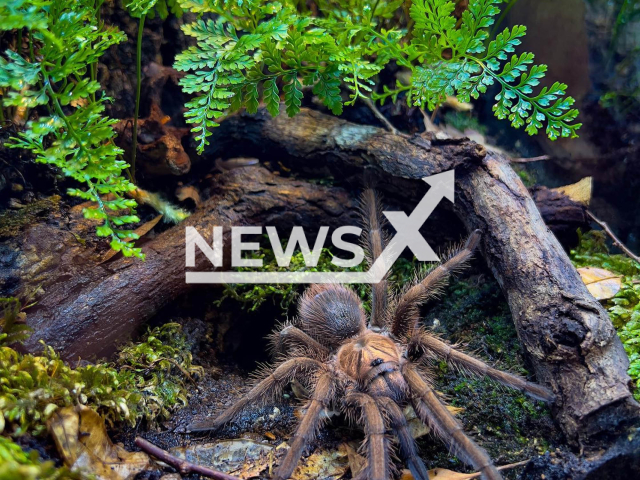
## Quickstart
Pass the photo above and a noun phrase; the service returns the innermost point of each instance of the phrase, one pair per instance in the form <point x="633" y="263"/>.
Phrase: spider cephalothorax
<point x="372" y="371"/>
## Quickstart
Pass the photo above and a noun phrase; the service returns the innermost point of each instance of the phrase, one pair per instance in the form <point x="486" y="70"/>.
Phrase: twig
<point x="388" y="125"/>
<point x="434" y="113"/>
<point x="502" y="467"/>
<point x="616" y="240"/>
<point x="530" y="159"/>
<point x="182" y="466"/>
<point x="429" y="126"/>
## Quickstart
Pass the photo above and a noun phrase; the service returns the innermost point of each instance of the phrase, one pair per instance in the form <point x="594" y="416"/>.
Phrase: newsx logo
<point x="407" y="236"/>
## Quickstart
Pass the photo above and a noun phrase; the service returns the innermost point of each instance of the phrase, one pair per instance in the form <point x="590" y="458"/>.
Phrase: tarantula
<point x="370" y="372"/>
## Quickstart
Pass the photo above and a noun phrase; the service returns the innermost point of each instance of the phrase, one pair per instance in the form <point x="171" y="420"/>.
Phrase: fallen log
<point x="566" y="333"/>
<point x="86" y="309"/>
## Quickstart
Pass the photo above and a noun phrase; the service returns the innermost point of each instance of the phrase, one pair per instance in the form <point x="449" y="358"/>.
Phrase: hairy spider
<point x="370" y="372"/>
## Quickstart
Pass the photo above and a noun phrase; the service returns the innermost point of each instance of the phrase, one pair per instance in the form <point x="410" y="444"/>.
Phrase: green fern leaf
<point x="292" y="94"/>
<point x="272" y="97"/>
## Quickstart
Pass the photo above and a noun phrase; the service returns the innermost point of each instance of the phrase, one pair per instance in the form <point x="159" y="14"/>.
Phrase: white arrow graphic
<point x="408" y="227"/>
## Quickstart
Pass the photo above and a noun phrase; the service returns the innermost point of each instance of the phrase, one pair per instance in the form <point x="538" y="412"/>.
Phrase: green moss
<point x="16" y="464"/>
<point x="473" y="312"/>
<point x="527" y="177"/>
<point x="251" y="297"/>
<point x="12" y="326"/>
<point x="13" y="221"/>
<point x="508" y="424"/>
<point x="146" y="382"/>
<point x="624" y="307"/>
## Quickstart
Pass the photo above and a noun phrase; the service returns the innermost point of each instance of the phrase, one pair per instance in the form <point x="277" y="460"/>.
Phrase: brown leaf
<point x="601" y="283"/>
<point x="81" y="438"/>
<point x="356" y="461"/>
<point x="457" y="105"/>
<point x="444" y="474"/>
<point x="325" y="463"/>
<point x="416" y="426"/>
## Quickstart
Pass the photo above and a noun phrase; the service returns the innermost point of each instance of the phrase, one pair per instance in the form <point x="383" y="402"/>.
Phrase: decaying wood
<point x="85" y="309"/>
<point x="561" y="214"/>
<point x="159" y="146"/>
<point x="566" y="333"/>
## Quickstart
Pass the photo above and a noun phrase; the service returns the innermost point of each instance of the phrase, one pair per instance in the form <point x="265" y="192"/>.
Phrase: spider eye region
<point x="377" y="362"/>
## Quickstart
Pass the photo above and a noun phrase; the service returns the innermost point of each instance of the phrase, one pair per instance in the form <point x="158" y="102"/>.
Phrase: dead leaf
<point x="325" y="464"/>
<point x="457" y="105"/>
<point x="189" y="191"/>
<point x="578" y="192"/>
<point x="444" y="474"/>
<point x="245" y="458"/>
<point x="239" y="457"/>
<point x="141" y="231"/>
<point x="356" y="461"/>
<point x="601" y="283"/>
<point x="81" y="438"/>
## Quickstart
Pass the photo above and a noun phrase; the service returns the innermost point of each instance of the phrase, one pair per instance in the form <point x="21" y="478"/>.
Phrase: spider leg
<point x="432" y="411"/>
<point x="408" y="448"/>
<point x="374" y="431"/>
<point x="431" y="345"/>
<point x="291" y="337"/>
<point x="407" y="313"/>
<point x="308" y="426"/>
<point x="259" y="394"/>
<point x="374" y="240"/>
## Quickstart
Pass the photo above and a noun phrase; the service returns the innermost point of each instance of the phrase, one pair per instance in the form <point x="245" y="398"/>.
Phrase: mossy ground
<point x="509" y="425"/>
<point x="13" y="221"/>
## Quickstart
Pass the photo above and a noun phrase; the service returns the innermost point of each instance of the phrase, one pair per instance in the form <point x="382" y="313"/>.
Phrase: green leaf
<point x="292" y="93"/>
<point x="272" y="97"/>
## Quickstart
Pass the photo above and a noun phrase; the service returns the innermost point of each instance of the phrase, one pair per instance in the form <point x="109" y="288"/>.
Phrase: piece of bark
<point x="566" y="333"/>
<point x="88" y="310"/>
<point x="561" y="214"/>
<point x="159" y="147"/>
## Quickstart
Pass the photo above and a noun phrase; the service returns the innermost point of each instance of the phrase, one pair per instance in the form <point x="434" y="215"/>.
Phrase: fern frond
<point x="76" y="136"/>
<point x="459" y="64"/>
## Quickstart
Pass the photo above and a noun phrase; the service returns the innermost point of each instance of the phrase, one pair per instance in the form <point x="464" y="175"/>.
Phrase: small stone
<point x="171" y="476"/>
<point x="275" y="414"/>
